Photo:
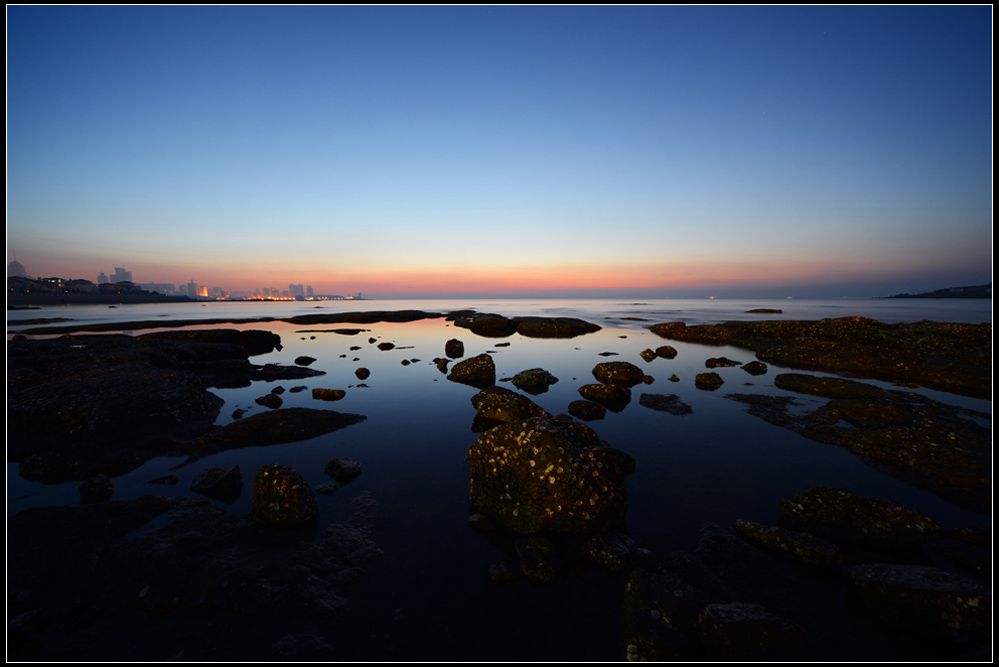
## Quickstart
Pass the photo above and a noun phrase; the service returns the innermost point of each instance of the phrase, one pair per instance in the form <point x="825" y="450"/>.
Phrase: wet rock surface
<point x="491" y="325"/>
<point x="478" y="371"/>
<point x="547" y="475"/>
<point x="670" y="403"/>
<point x="950" y="357"/>
<point x="934" y="445"/>
<point x="106" y="403"/>
<point x="172" y="575"/>
<point x="501" y="404"/>
<point x="534" y="380"/>
<point x="282" y="497"/>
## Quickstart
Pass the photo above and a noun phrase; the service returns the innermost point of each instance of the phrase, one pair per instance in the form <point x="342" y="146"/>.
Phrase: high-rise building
<point x="102" y="279"/>
<point x="192" y="289"/>
<point x="16" y="270"/>
<point x="121" y="275"/>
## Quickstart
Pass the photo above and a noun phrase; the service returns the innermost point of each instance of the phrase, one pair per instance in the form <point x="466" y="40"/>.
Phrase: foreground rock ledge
<point x="950" y="357"/>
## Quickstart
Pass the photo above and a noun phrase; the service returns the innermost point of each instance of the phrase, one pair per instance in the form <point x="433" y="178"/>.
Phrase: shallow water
<point x="430" y="596"/>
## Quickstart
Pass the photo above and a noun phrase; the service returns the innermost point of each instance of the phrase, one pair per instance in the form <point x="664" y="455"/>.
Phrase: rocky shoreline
<point x="543" y="486"/>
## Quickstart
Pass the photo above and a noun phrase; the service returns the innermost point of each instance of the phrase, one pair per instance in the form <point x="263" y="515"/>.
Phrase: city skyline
<point x="643" y="152"/>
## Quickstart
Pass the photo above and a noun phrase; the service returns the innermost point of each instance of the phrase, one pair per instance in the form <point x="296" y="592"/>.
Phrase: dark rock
<point x="281" y="496"/>
<point x="304" y="360"/>
<point x="801" y="547"/>
<point x="748" y="632"/>
<point x="277" y="390"/>
<point x="343" y="470"/>
<point x="755" y="368"/>
<point x="270" y="428"/>
<point x="924" y="601"/>
<point x="708" y="381"/>
<point x="226" y="484"/>
<point x="670" y="403"/>
<point x="618" y="372"/>
<point x="96" y="489"/>
<point x="454" y="348"/>
<point x="502" y="570"/>
<point x="554" y="327"/>
<point x="327" y="488"/>
<point x="488" y="325"/>
<point x="166" y="480"/>
<point x="945" y="356"/>
<point x="362" y="373"/>
<point x="501" y="404"/>
<point x="765" y="310"/>
<point x="442" y="364"/>
<point x="534" y="381"/>
<point x="538" y="558"/>
<point x="721" y="362"/>
<point x="481" y="522"/>
<point x="666" y="352"/>
<point x="853" y="518"/>
<point x="238" y="413"/>
<point x="365" y="317"/>
<point x="547" y="475"/>
<point x="659" y="617"/>
<point x="587" y="410"/>
<point x="647" y="354"/>
<point x="272" y="401"/>
<point x="611" y="551"/>
<point x="321" y="394"/>
<point x="386" y="346"/>
<point x="477" y="371"/>
<point x="614" y="397"/>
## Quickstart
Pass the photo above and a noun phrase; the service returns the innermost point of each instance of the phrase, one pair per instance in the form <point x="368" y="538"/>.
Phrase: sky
<point x="533" y="151"/>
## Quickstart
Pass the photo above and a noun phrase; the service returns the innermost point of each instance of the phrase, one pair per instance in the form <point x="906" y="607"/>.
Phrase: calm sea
<point x="430" y="596"/>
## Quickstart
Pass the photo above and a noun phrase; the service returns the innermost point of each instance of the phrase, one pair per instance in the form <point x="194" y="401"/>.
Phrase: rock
<point x="454" y="348"/>
<point x="270" y="428"/>
<point x="281" y="497"/>
<point x="277" y="390"/>
<point x="765" y="310"/>
<point x="852" y="518"/>
<point x="673" y="378"/>
<point x="708" y="381"/>
<point x="950" y="357"/>
<point x="327" y="488"/>
<point x="384" y="347"/>
<point x="488" y="325"/>
<point x="479" y="371"/>
<point x="441" y="364"/>
<point x="587" y="410"/>
<point x="502" y="570"/>
<point x="554" y="327"/>
<point x="748" y="632"/>
<point x="362" y="373"/>
<point x="534" y="381"/>
<point x="659" y="617"/>
<point x="721" y="362"/>
<point x="96" y="489"/>
<point x="547" y="475"/>
<point x="166" y="480"/>
<point x="343" y="470"/>
<point x="666" y="352"/>
<point x="328" y="394"/>
<point x="272" y="401"/>
<point x="610" y="551"/>
<point x="614" y="397"/>
<point x="238" y="413"/>
<point x="305" y="360"/>
<point x="481" y="523"/>
<point x="537" y="558"/>
<point x="501" y="404"/>
<point x="670" y="403"/>
<point x="755" y="368"/>
<point x="801" y="547"/>
<point x="647" y="354"/>
<point x="923" y="600"/>
<point x="618" y="372"/>
<point x="226" y="484"/>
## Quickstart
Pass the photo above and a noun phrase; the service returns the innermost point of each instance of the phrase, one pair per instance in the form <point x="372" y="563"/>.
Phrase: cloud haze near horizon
<point x="559" y="151"/>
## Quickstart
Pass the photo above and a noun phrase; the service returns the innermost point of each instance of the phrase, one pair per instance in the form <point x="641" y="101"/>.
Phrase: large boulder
<point x="534" y="380"/>
<point x="479" y="371"/>
<point x="618" y="372"/>
<point x="226" y="483"/>
<point x="282" y="497"/>
<point x="547" y="475"/>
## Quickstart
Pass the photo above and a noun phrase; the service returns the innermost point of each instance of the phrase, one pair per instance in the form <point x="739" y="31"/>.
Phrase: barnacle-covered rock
<point x="547" y="475"/>
<point x="618" y="372"/>
<point x="479" y="371"/>
<point x="501" y="404"/>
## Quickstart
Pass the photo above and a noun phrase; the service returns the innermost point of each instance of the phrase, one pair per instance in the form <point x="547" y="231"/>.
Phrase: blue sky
<point x="427" y="151"/>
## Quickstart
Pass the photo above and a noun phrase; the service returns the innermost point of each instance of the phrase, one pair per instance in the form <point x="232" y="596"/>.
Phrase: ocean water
<point x="430" y="596"/>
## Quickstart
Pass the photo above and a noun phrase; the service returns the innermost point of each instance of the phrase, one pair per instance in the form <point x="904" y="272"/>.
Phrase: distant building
<point x="16" y="270"/>
<point x="192" y="289"/>
<point x="121" y="275"/>
<point x="102" y="279"/>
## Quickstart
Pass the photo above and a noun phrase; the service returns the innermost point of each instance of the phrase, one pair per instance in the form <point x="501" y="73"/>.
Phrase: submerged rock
<point x="547" y="475"/>
<point x="670" y="403"/>
<point x="801" y="547"/>
<point x="226" y="483"/>
<point x="924" y="600"/>
<point x="343" y="470"/>
<point x="587" y="410"/>
<point x="748" y="632"/>
<point x="97" y="489"/>
<point x="321" y="394"/>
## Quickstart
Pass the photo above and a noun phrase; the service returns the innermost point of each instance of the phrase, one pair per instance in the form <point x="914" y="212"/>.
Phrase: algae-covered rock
<point x="534" y="380"/>
<point x="670" y="403"/>
<point x="503" y="405"/>
<point x="853" y="518"/>
<point x="587" y="410"/>
<point x="282" y="497"/>
<point x="797" y="546"/>
<point x="547" y="475"/>
<point x="618" y="372"/>
<point x="478" y="371"/>
<point x="708" y="381"/>
<point x="615" y="397"/>
<point x="924" y="600"/>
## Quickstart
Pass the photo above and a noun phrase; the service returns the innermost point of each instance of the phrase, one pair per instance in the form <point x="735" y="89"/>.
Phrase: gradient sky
<point x="563" y="151"/>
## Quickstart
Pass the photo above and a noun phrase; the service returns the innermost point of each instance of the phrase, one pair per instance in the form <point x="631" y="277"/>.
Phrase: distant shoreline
<point x="970" y="292"/>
